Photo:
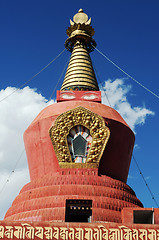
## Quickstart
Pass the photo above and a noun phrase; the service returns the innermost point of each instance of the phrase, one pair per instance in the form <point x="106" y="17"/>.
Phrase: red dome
<point x="45" y="197"/>
<point x="41" y="155"/>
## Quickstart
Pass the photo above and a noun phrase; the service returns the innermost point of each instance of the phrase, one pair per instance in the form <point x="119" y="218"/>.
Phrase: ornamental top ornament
<point x="80" y="17"/>
<point x="80" y="75"/>
<point x="80" y="28"/>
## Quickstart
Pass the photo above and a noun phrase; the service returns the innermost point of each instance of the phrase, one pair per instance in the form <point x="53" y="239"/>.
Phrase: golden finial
<point x="81" y="28"/>
<point x="80" y="74"/>
<point x="80" y="17"/>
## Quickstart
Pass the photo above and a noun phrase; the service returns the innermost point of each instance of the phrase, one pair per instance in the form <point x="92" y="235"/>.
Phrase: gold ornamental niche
<point x="88" y="121"/>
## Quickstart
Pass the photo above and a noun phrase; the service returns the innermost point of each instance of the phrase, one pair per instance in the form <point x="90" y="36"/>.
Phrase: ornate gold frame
<point x="79" y="116"/>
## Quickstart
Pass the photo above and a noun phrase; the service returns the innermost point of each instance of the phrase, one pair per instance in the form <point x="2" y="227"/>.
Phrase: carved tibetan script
<point x="77" y="231"/>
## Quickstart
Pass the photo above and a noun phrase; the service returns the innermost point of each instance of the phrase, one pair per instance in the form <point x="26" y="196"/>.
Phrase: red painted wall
<point x="39" y="149"/>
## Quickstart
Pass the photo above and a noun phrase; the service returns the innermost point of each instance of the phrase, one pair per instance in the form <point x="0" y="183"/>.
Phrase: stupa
<point x="79" y="153"/>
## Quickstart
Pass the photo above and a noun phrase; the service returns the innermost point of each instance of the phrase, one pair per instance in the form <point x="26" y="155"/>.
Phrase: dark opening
<point x="79" y="146"/>
<point x="143" y="216"/>
<point x="78" y="210"/>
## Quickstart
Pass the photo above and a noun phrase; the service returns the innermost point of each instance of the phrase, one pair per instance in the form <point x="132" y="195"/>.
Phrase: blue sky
<point x="34" y="32"/>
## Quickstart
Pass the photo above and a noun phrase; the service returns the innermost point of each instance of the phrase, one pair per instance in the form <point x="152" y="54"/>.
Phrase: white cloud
<point x="116" y="94"/>
<point x="19" y="110"/>
<point x="136" y="146"/>
<point x="132" y="177"/>
<point x="11" y="188"/>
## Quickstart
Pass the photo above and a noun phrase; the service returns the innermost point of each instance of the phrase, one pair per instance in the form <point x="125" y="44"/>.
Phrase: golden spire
<point x="80" y="74"/>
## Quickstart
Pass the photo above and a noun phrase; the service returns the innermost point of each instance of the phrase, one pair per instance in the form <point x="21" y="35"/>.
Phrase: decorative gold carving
<point x="79" y="116"/>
